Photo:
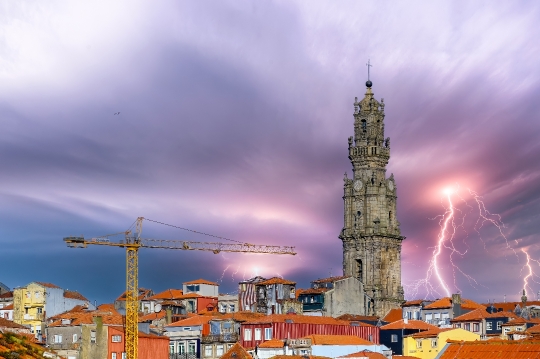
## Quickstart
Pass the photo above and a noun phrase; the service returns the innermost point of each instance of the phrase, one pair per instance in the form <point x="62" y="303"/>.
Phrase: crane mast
<point x="133" y="241"/>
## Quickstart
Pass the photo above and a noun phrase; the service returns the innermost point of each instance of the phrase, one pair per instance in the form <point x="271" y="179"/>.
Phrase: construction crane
<point x="134" y="241"/>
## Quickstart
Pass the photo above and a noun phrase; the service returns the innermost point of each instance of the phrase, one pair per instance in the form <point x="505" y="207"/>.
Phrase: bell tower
<point x="371" y="235"/>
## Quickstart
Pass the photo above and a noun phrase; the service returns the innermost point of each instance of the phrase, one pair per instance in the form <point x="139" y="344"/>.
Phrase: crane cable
<point x="190" y="230"/>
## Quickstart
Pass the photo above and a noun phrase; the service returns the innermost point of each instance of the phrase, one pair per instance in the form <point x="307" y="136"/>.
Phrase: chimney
<point x="456" y="305"/>
<point x="169" y="315"/>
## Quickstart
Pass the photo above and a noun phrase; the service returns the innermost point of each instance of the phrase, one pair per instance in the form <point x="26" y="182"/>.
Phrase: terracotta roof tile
<point x="534" y="329"/>
<point x="364" y="354"/>
<point x="304" y="319"/>
<point x="393" y="315"/>
<point x="337" y="340"/>
<point x="201" y="281"/>
<point x="71" y="294"/>
<point x="430" y="333"/>
<point x="329" y="279"/>
<point x="144" y="294"/>
<point x="152" y="316"/>
<point x="272" y="343"/>
<point x="404" y="357"/>
<point x="6" y="295"/>
<point x="446" y="302"/>
<point x="479" y="314"/>
<point x="276" y="280"/>
<point x="195" y="320"/>
<point x="299" y="357"/>
<point x="411" y="324"/>
<point x="4" y="323"/>
<point x="510" y="306"/>
<point x="236" y="352"/>
<point x="411" y="303"/>
<point x="168" y="294"/>
<point x="48" y="285"/>
<point x="529" y="349"/>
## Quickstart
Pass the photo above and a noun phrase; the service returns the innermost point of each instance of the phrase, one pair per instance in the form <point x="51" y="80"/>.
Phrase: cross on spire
<point x="368" y="66"/>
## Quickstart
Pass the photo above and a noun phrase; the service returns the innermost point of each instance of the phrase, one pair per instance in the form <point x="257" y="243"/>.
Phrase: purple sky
<point x="234" y="119"/>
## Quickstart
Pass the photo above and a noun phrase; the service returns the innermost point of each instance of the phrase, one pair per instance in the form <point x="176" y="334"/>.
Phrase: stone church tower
<point x="371" y="235"/>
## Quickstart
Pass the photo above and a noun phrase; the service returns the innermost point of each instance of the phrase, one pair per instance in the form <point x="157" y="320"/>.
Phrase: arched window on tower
<point x="359" y="270"/>
<point x="364" y="125"/>
<point x="390" y="219"/>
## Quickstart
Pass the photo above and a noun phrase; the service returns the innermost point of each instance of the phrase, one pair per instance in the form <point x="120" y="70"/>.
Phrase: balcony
<point x="220" y="338"/>
<point x="445" y="322"/>
<point x="38" y="316"/>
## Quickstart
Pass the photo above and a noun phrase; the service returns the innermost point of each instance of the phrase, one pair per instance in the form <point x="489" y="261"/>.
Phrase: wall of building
<point x="204" y="289"/>
<point x="347" y="297"/>
<point x="97" y="349"/>
<point x="428" y="349"/>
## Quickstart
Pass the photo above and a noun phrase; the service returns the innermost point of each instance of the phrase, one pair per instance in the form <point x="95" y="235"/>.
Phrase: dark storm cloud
<point x="234" y="120"/>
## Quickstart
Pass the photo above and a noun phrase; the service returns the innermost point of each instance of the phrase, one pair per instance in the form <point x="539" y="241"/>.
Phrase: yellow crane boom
<point x="132" y="243"/>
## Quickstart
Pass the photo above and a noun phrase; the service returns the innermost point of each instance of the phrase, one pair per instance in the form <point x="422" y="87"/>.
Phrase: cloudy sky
<point x="234" y="118"/>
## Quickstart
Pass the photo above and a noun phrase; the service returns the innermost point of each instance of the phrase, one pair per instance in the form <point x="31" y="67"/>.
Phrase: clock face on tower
<point x="357" y="185"/>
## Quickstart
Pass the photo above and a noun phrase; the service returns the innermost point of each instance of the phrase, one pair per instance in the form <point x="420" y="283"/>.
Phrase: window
<point x="191" y="348"/>
<point x="393" y="338"/>
<point x="429" y="316"/>
<point x="113" y="355"/>
<point x="58" y="338"/>
<point x="116" y="338"/>
<point x="223" y="308"/>
<point x="418" y="344"/>
<point x="434" y="343"/>
<point x="267" y="333"/>
<point x="219" y="350"/>
<point x="192" y="288"/>
<point x="409" y="315"/>
<point x="467" y="326"/>
<point x="171" y="348"/>
<point x="437" y="315"/>
<point x="75" y="337"/>
<point x="232" y="308"/>
<point x="181" y="348"/>
<point x="476" y="327"/>
<point x="247" y="334"/>
<point x="457" y="325"/>
<point x="39" y="310"/>
<point x="93" y="336"/>
<point x="258" y="335"/>
<point x="499" y="324"/>
<point x="489" y="326"/>
<point x="207" y="350"/>
<point x="187" y="328"/>
<point x="123" y="355"/>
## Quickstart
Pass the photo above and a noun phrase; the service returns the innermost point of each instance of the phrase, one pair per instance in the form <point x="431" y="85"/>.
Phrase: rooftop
<point x="195" y="320"/>
<point x="329" y="279"/>
<point x="410" y="324"/>
<point x="364" y="354"/>
<point x="71" y="294"/>
<point x="301" y="319"/>
<point x="236" y="352"/>
<point x="276" y="280"/>
<point x="393" y="315"/>
<point x="48" y="285"/>
<point x="480" y="314"/>
<point x="430" y="333"/>
<point x="529" y="349"/>
<point x="4" y="323"/>
<point x="201" y="281"/>
<point x="337" y="340"/>
<point x="446" y="302"/>
<point x="272" y="343"/>
<point x="168" y="294"/>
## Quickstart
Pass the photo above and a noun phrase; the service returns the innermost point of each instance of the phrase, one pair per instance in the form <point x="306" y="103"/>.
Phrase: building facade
<point x="371" y="235"/>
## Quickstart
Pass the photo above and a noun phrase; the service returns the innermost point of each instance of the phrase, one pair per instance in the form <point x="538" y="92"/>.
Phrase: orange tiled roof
<point x="480" y="314"/>
<point x="446" y="302"/>
<point x="364" y="354"/>
<point x="302" y="319"/>
<point x="393" y="315"/>
<point x="236" y="352"/>
<point x="276" y="280"/>
<point x="195" y="320"/>
<point x="330" y="279"/>
<point x="143" y="294"/>
<point x="431" y="333"/>
<point x="272" y="343"/>
<point x="534" y="329"/>
<point x="168" y="294"/>
<point x="337" y="340"/>
<point x="515" y="321"/>
<point x="299" y="357"/>
<point x="411" y="324"/>
<point x="71" y="294"/>
<point x="529" y="349"/>
<point x="510" y="306"/>
<point x="411" y="303"/>
<point x="103" y="308"/>
<point x="201" y="281"/>
<point x="7" y="307"/>
<point x="404" y="357"/>
<point x="7" y="295"/>
<point x="87" y="318"/>
<point x="4" y="323"/>
<point x="313" y="291"/>
<point x="153" y="316"/>
<point x="48" y="285"/>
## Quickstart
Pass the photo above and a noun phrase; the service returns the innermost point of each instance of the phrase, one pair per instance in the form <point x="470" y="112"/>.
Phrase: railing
<point x="439" y="322"/>
<point x="220" y="338"/>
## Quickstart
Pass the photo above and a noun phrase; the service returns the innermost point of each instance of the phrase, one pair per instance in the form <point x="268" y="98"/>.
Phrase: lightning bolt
<point x="223" y="274"/>
<point x="531" y="274"/>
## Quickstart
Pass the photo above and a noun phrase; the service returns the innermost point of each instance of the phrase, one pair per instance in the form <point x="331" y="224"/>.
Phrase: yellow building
<point x="428" y="344"/>
<point x="37" y="301"/>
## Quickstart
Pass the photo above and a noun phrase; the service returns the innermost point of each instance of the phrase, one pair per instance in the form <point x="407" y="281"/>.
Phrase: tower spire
<point x="368" y="82"/>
